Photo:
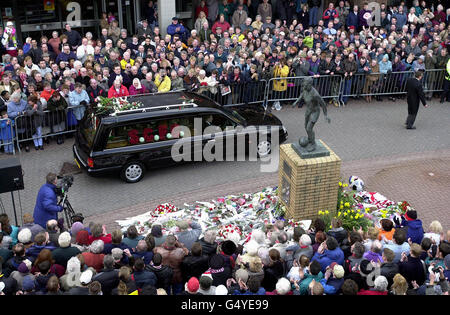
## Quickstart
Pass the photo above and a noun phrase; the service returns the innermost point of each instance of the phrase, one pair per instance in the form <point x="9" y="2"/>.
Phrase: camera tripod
<point x="68" y="210"/>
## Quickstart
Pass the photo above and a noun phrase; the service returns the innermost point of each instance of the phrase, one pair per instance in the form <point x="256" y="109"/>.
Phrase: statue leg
<point x="311" y="137"/>
<point x="310" y="130"/>
<point x="305" y="140"/>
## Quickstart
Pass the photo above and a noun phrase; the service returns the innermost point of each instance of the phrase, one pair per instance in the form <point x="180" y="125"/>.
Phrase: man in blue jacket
<point x="47" y="207"/>
<point x="328" y="253"/>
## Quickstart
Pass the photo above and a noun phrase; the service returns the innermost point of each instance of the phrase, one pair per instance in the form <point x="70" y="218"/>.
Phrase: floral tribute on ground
<point x="235" y="217"/>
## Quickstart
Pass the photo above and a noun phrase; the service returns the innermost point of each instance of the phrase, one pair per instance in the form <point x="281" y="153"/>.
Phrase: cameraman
<point x="47" y="207"/>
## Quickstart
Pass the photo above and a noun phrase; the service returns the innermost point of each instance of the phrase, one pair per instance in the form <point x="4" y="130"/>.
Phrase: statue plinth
<point x="307" y="185"/>
<point x="320" y="151"/>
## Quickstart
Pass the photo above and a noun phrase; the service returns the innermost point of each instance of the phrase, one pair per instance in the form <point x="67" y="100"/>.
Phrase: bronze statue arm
<point x="298" y="100"/>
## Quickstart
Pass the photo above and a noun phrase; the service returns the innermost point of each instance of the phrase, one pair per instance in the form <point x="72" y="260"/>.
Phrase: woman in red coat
<point x="118" y="90"/>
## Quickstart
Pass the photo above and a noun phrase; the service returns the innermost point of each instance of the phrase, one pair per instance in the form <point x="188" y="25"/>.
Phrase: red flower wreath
<point x="133" y="136"/>
<point x="148" y="135"/>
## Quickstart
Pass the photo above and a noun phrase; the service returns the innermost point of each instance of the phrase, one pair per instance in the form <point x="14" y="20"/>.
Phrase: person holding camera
<point x="47" y="207"/>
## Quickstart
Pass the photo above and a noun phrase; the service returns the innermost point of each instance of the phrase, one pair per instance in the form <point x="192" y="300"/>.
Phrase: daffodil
<point x="351" y="217"/>
<point x="383" y="216"/>
<point x="345" y="214"/>
<point x="340" y="184"/>
<point x="327" y="212"/>
<point x="347" y="204"/>
<point x="345" y="185"/>
<point x="331" y="226"/>
<point x="353" y="211"/>
<point x="320" y="212"/>
<point x="339" y="214"/>
<point x="356" y="216"/>
<point x="341" y="207"/>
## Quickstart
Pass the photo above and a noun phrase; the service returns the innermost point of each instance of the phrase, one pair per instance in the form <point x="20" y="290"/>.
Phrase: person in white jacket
<point x="84" y="50"/>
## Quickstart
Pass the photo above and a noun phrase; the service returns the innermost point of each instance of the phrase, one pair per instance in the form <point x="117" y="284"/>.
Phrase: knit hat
<point x="86" y="277"/>
<point x="206" y="274"/>
<point x="338" y="271"/>
<point x="228" y="247"/>
<point x="82" y="237"/>
<point x="216" y="261"/>
<point x="64" y="239"/>
<point x="24" y="236"/>
<point x="76" y="227"/>
<point x="366" y="267"/>
<point x="411" y="215"/>
<point x="22" y="268"/>
<point x="28" y="283"/>
<point x="117" y="253"/>
<point x="193" y="285"/>
<point x="221" y="290"/>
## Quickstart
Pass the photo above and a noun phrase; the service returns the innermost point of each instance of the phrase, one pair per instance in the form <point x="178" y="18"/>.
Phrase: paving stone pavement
<point x="370" y="139"/>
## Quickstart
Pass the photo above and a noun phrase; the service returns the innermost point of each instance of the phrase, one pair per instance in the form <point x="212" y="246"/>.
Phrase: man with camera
<point x="47" y="207"/>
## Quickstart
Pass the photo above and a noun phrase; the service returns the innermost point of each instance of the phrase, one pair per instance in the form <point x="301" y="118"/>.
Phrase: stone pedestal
<point x="307" y="185"/>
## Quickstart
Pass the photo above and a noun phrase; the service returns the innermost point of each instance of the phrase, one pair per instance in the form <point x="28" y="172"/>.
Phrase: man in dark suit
<point x="415" y="94"/>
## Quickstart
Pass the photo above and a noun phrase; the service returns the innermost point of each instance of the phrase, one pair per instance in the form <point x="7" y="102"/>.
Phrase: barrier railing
<point x="375" y="84"/>
<point x="236" y="93"/>
<point x="7" y="135"/>
<point x="52" y="123"/>
<point x="433" y="80"/>
<point x="289" y="89"/>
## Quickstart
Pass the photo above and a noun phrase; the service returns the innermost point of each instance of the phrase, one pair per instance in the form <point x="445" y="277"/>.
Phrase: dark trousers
<point x="410" y="120"/>
<point x="446" y="94"/>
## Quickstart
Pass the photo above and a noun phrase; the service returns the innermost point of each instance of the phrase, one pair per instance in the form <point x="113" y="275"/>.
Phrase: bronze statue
<point x="313" y="102"/>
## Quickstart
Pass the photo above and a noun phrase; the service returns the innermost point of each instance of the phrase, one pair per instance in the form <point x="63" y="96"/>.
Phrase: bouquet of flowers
<point x="107" y="106"/>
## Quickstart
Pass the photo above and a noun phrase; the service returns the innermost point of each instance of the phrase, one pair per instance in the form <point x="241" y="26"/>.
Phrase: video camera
<point x="64" y="185"/>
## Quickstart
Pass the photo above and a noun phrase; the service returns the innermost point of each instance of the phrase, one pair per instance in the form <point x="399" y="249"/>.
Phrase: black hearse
<point x="132" y="141"/>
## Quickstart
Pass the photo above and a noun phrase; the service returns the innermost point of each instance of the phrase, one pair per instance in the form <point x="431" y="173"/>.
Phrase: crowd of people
<point x="396" y="258"/>
<point x="233" y="44"/>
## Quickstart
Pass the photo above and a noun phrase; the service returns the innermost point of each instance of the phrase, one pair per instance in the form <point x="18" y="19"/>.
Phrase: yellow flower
<point x="353" y="211"/>
<point x="340" y="184"/>
<point x="351" y="217"/>
<point x="320" y="212"/>
<point x="347" y="204"/>
<point x="327" y="212"/>
<point x="345" y="185"/>
<point x="331" y="226"/>
<point x="341" y="207"/>
<point x="356" y="216"/>
<point x="383" y="216"/>
<point x="339" y="214"/>
<point x="345" y="214"/>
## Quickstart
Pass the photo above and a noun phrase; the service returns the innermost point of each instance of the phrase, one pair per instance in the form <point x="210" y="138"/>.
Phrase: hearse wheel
<point x="133" y="172"/>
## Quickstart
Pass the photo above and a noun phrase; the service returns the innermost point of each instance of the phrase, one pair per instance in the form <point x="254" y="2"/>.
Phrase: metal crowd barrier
<point x="328" y="86"/>
<point x="53" y="123"/>
<point x="375" y="84"/>
<point x="7" y="135"/>
<point x="433" y="80"/>
<point x="236" y="94"/>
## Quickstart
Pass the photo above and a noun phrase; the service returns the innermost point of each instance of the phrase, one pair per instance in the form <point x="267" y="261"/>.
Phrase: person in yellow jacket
<point x="280" y="70"/>
<point x="446" y="94"/>
<point x="162" y="81"/>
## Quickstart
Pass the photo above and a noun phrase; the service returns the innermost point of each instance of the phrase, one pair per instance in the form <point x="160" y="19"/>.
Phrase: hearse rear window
<point x="147" y="132"/>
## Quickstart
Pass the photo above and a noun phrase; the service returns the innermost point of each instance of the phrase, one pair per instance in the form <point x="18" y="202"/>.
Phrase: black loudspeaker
<point x="11" y="176"/>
